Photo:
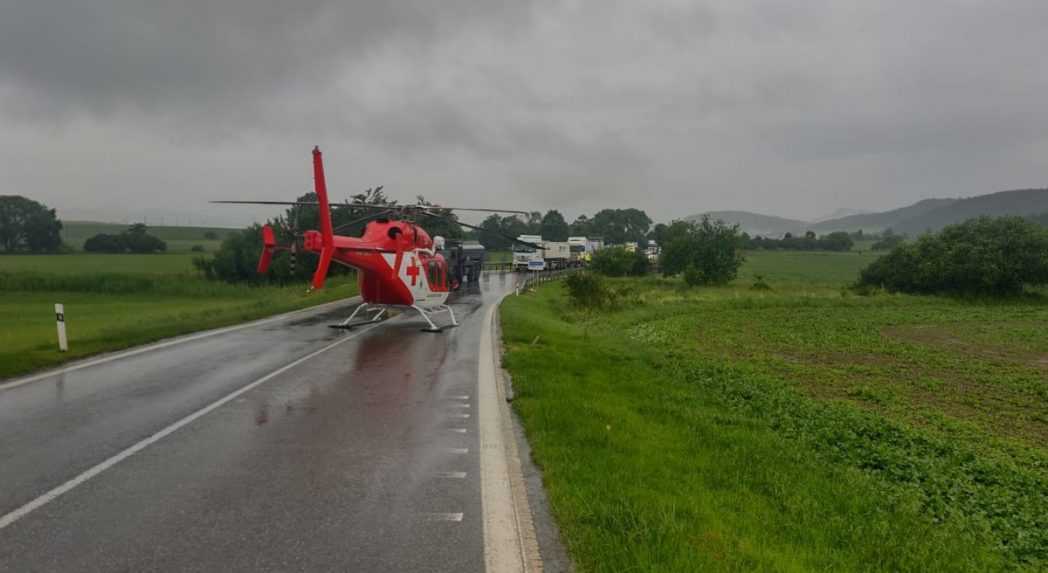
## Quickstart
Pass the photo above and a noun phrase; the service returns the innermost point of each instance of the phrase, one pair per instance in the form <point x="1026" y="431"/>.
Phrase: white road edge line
<point x="503" y="544"/>
<point x="164" y="344"/>
<point x="68" y="486"/>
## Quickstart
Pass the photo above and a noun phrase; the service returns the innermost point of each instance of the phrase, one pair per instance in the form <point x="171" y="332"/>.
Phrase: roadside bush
<point x="693" y="276"/>
<point x="588" y="290"/>
<point x="618" y="262"/>
<point x="983" y="256"/>
<point x="707" y="253"/>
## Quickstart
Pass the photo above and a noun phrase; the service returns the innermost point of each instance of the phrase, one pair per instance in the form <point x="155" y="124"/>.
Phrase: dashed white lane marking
<point x="460" y="397"/>
<point x="451" y="475"/>
<point x="68" y="486"/>
<point x="443" y="516"/>
<point x="150" y="347"/>
<point x="457" y="430"/>
<point x="458" y="451"/>
<point x="460" y="406"/>
<point x="460" y="416"/>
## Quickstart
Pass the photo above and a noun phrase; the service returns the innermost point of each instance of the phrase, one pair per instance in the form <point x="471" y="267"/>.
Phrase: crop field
<point x="82" y="264"/>
<point x="178" y="239"/>
<point x="116" y="301"/>
<point x="798" y="428"/>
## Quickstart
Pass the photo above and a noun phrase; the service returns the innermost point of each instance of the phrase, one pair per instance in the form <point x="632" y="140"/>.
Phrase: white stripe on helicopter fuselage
<point x="420" y="290"/>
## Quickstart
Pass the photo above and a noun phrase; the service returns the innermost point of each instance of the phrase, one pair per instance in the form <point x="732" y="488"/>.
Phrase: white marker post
<point x="63" y="343"/>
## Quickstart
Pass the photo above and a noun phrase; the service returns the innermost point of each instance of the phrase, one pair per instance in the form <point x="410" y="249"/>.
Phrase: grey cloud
<point x="104" y="55"/>
<point x="673" y="106"/>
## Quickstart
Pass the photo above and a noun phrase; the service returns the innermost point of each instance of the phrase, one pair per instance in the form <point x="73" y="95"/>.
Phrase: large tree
<point x="554" y="227"/>
<point x="582" y="227"/>
<point x="705" y="253"/>
<point x="617" y="226"/>
<point x="26" y="225"/>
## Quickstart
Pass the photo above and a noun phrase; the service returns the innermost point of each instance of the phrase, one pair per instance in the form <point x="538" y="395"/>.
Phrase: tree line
<point x="614" y="226"/>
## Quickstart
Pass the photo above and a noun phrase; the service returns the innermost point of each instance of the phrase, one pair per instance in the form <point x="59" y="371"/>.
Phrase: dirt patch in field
<point x="944" y="337"/>
<point x="900" y="387"/>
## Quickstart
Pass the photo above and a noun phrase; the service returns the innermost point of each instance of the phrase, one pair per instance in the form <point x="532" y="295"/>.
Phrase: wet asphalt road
<point x="357" y="459"/>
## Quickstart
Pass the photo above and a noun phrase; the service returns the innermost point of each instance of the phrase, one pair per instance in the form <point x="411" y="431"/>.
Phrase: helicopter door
<point x="436" y="274"/>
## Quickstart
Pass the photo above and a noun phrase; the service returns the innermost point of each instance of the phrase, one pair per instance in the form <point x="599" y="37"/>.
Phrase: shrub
<point x="759" y="283"/>
<point x="134" y="239"/>
<point x="197" y="249"/>
<point x="144" y="243"/>
<point x="105" y="243"/>
<point x="983" y="256"/>
<point x="708" y="253"/>
<point x="614" y="262"/>
<point x="693" y="276"/>
<point x="588" y="290"/>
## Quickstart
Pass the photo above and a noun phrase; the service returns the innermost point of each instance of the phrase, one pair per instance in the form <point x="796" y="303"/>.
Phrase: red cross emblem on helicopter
<point x="413" y="271"/>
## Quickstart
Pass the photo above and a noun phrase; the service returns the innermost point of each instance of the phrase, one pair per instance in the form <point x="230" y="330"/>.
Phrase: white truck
<point x="545" y="255"/>
<point x="556" y="254"/>
<point x="527" y="258"/>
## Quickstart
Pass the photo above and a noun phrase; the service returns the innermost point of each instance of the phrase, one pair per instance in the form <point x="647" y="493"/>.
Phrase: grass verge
<point x="722" y="429"/>
<point x="107" y="311"/>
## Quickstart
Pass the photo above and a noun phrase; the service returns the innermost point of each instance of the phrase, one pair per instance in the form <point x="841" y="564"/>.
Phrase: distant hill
<point x="1023" y="202"/>
<point x="924" y="215"/>
<point x="883" y="220"/>
<point x="755" y="223"/>
<point x="840" y="213"/>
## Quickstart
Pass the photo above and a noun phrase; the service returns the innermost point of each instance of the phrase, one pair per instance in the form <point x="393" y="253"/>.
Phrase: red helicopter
<point x="397" y="262"/>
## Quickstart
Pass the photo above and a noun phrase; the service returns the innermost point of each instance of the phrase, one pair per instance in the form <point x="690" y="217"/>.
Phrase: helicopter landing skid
<point x="348" y="324"/>
<point x="433" y="327"/>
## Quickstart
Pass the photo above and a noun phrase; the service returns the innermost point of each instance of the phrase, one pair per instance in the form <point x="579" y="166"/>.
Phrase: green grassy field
<point x="116" y="301"/>
<point x="178" y="239"/>
<point x="797" y="429"/>
<point x="92" y="264"/>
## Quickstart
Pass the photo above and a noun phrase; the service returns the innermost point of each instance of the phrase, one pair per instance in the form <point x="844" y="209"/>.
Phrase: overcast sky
<point x="124" y="109"/>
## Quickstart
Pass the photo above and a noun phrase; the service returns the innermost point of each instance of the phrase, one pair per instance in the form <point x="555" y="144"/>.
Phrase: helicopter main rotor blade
<point x="304" y="204"/>
<point x="367" y="217"/>
<point x="477" y="209"/>
<point x="483" y="230"/>
<point x="372" y="206"/>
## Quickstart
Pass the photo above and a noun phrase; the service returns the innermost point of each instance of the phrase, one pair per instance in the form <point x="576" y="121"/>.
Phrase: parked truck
<point x="581" y="251"/>
<point x="544" y="255"/>
<point x="556" y="254"/>
<point x="526" y="257"/>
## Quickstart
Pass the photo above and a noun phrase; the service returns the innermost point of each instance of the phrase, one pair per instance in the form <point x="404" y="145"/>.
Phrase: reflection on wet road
<point x="361" y="457"/>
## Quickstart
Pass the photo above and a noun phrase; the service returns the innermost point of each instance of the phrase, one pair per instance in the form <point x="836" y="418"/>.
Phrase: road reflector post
<point x="63" y="343"/>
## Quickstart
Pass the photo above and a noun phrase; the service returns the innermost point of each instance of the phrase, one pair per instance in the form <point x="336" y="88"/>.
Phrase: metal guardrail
<point x="538" y="277"/>
<point x="498" y="267"/>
